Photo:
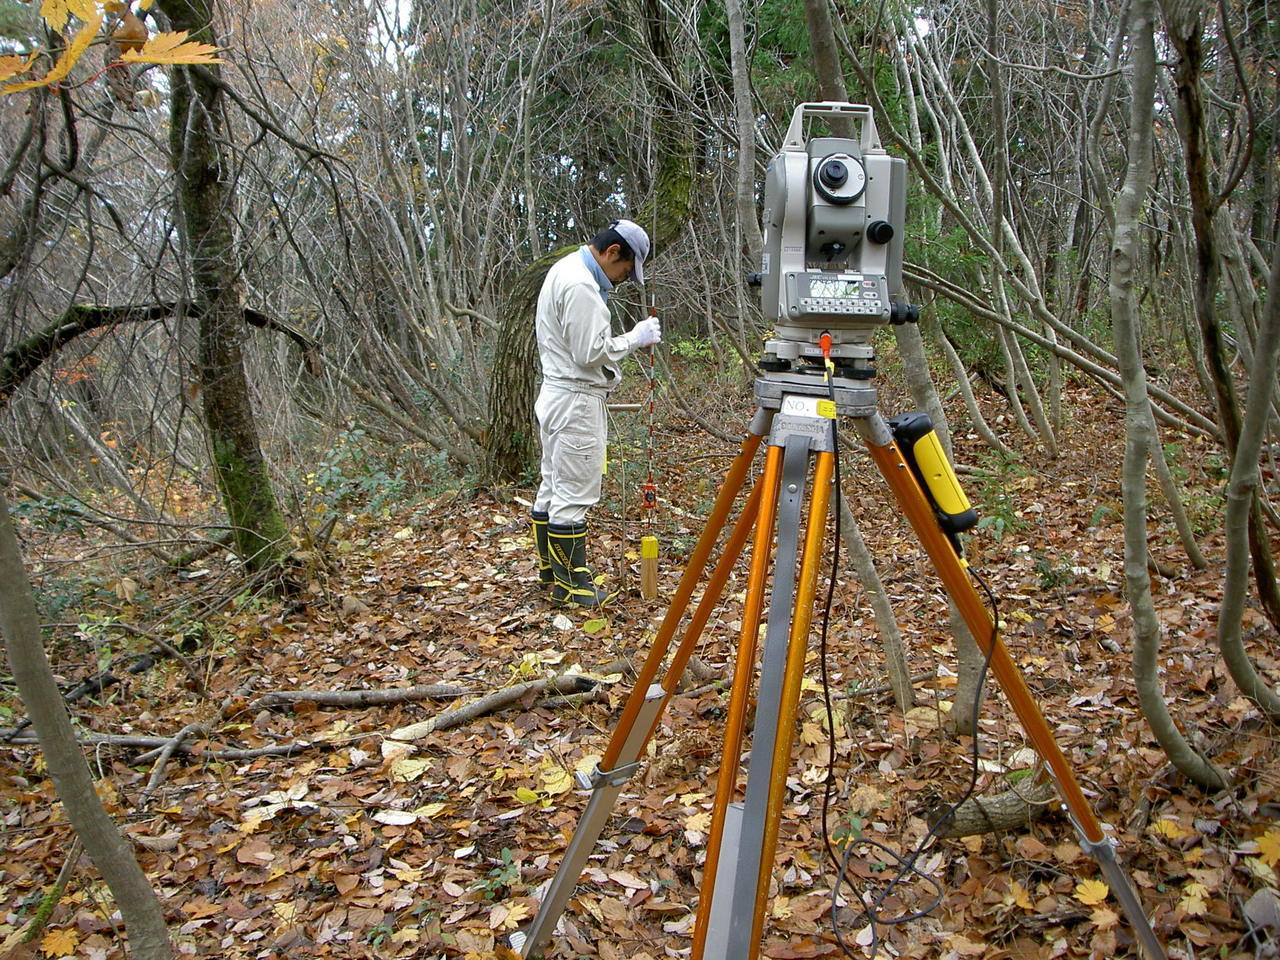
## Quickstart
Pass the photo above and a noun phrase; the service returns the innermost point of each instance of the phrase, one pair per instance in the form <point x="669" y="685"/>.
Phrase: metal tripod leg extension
<point x="951" y="570"/>
<point x="740" y="858"/>
<point x="648" y="698"/>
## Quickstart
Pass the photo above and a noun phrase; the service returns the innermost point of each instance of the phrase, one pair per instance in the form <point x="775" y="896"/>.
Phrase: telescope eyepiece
<point x="834" y="173"/>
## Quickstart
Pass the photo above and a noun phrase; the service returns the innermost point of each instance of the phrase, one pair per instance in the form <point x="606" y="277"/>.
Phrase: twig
<point x="157" y="744"/>
<point x="157" y="771"/>
<point x="50" y="899"/>
<point x="360" y="698"/>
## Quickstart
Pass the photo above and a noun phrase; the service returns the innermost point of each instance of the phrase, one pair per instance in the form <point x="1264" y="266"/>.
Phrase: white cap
<point x="638" y="241"/>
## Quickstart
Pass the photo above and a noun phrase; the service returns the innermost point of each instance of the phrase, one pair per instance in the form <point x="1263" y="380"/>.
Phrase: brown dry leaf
<point x="255" y="853"/>
<point x="1104" y="918"/>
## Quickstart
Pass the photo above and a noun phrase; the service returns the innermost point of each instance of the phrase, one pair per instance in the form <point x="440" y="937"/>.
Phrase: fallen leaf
<point x="396" y="818"/>
<point x="1193" y="903"/>
<point x="1269" y="847"/>
<point x="59" y="943"/>
<point x="1092" y="892"/>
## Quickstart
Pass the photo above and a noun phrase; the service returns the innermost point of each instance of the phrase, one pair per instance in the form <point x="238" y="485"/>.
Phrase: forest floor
<point x="357" y="844"/>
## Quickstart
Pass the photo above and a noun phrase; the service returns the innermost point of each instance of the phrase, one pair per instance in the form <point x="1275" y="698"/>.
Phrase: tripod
<point x="794" y="410"/>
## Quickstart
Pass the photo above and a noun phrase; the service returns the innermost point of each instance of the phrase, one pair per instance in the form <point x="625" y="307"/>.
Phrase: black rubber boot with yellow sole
<point x="574" y="583"/>
<point x="539" y="520"/>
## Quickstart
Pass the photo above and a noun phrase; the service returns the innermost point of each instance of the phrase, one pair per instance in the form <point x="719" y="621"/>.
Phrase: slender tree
<point x="110" y="852"/>
<point x="205" y="197"/>
<point x="1129" y="205"/>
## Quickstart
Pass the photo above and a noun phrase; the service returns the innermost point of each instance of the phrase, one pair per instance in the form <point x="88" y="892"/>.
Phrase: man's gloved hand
<point x="646" y="333"/>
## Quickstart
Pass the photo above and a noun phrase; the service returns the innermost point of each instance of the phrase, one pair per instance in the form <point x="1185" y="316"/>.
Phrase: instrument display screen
<point x="833" y="287"/>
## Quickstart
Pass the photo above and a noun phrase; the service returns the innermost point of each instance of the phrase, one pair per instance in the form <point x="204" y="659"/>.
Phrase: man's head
<point x="621" y="249"/>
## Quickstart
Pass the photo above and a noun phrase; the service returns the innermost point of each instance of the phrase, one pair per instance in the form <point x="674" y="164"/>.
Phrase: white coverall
<point x="579" y="368"/>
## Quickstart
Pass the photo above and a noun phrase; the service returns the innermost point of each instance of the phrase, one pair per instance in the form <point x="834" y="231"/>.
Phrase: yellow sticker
<point x="827" y="408"/>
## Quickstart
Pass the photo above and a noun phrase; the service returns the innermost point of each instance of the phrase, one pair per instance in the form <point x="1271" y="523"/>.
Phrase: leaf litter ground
<point x="364" y="845"/>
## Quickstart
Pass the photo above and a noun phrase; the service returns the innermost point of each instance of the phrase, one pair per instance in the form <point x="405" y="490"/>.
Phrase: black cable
<point x="907" y="866"/>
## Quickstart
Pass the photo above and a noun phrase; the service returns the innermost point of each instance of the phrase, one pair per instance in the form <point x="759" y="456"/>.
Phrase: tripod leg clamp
<point x="607" y="778"/>
<point x="1104" y="854"/>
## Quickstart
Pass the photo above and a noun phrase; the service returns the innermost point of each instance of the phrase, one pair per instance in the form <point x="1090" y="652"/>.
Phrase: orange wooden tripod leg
<point x="797" y="648"/>
<point x="884" y="451"/>
<point x="710" y="597"/>
<point x="739" y="700"/>
<point x="734" y="480"/>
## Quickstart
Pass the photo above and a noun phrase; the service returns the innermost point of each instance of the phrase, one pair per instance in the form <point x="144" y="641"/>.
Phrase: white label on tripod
<point x="804" y="407"/>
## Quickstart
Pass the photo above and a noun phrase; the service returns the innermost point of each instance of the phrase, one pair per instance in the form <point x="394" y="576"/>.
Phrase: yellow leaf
<point x="429" y="811"/>
<point x="1192" y="903"/>
<point x="811" y="734"/>
<point x="59" y="943"/>
<point x="172" y="48"/>
<point x="1262" y="871"/>
<point x="286" y="912"/>
<point x="1018" y="895"/>
<point x="555" y="780"/>
<point x="56" y="13"/>
<point x="69" y="57"/>
<point x="1170" y="829"/>
<point x="700" y="822"/>
<point x="407" y="769"/>
<point x="1092" y="892"/>
<point x="507" y="916"/>
<point x="1269" y="847"/>
<point x="12" y="66"/>
<point x="525" y="795"/>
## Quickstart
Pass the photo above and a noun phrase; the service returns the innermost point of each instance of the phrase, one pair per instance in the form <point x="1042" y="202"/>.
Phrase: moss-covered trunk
<point x="511" y="440"/>
<point x="205" y="206"/>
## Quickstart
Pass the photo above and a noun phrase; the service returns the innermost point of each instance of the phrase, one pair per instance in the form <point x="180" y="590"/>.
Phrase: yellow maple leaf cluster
<point x="163" y="49"/>
<point x="172" y="48"/>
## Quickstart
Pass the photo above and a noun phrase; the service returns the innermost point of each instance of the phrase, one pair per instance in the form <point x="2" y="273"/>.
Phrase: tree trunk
<point x="1242" y="496"/>
<point x="1185" y="27"/>
<point x="110" y="852"/>
<point x="1128" y="209"/>
<point x="206" y="200"/>
<point x="745" y="122"/>
<point x="511" y="441"/>
<point x="890" y="636"/>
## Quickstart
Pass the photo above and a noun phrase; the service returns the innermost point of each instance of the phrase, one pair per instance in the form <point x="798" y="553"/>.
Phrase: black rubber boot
<point x="574" y="583"/>
<point x="539" y="520"/>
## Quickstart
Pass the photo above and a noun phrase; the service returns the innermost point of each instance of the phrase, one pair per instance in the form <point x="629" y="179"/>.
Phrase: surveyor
<point x="580" y="366"/>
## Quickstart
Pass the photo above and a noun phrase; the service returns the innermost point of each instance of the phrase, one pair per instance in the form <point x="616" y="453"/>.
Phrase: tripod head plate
<point x="853" y="398"/>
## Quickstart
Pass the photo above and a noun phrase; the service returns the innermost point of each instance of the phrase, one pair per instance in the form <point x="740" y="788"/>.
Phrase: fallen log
<point x="1011" y="810"/>
<point x="491" y="703"/>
